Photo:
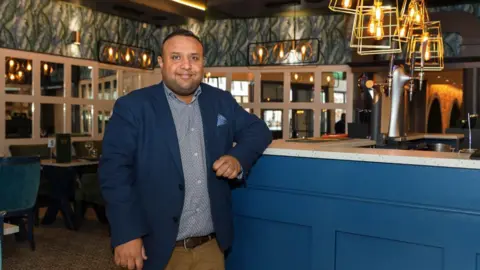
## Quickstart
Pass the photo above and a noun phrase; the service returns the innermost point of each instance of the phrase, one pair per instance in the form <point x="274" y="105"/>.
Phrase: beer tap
<point x="397" y="79"/>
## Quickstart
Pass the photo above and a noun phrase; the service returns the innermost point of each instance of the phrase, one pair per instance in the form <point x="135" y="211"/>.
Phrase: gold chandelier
<point x="432" y="51"/>
<point x="374" y="29"/>
<point x="345" y="6"/>
<point x="380" y="28"/>
<point x="284" y="52"/>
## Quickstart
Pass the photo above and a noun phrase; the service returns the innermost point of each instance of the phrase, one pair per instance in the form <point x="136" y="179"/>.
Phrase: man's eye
<point x="175" y="57"/>
<point x="195" y="58"/>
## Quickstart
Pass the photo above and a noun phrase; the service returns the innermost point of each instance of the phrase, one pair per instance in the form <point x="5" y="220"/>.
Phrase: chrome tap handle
<point x="390" y="75"/>
<point x="422" y="63"/>
<point x="412" y="78"/>
<point x="469" y="132"/>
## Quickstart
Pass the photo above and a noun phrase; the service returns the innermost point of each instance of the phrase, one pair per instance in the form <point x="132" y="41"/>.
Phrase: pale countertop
<point x="343" y="150"/>
<point x="440" y="136"/>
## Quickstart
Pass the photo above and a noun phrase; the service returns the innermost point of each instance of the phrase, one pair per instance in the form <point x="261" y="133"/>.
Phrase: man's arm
<point x="251" y="135"/>
<point x="116" y="175"/>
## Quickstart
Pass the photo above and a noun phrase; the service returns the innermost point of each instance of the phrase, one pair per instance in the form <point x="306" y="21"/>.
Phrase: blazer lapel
<point x="166" y="126"/>
<point x="209" y="119"/>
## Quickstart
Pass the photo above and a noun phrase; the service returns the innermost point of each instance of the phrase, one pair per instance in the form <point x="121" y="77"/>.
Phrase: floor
<point x="59" y="248"/>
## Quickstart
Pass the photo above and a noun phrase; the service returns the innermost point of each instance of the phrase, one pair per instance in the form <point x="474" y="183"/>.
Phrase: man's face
<point x="182" y="64"/>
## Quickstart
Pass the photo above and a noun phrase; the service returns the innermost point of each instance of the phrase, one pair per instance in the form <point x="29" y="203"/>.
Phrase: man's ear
<point x="160" y="61"/>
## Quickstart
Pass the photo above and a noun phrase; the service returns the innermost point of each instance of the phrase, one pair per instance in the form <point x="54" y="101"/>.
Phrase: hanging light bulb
<point x="412" y="12"/>
<point x="425" y="36"/>
<point x="29" y="67"/>
<point x="303" y="49"/>
<point x="371" y="26"/>
<point x="417" y="17"/>
<point x="144" y="56"/>
<point x="281" y="54"/>
<point x="378" y="12"/>
<point x="45" y="67"/>
<point x="427" y="52"/>
<point x="12" y="77"/>
<point x="347" y="3"/>
<point x="11" y="63"/>
<point x="127" y="57"/>
<point x="260" y="52"/>
<point x="311" y="78"/>
<point x="295" y="76"/>
<point x="403" y="31"/>
<point x="110" y="51"/>
<point x="379" y="31"/>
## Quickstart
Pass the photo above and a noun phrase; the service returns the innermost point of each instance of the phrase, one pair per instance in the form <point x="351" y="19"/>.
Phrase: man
<point x="340" y="125"/>
<point x="168" y="161"/>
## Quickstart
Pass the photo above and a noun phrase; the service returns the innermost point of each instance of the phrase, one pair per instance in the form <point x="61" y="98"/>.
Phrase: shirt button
<point x="199" y="182"/>
<point x="192" y="129"/>
<point x="181" y="187"/>
<point x="198" y="210"/>
<point x="196" y="154"/>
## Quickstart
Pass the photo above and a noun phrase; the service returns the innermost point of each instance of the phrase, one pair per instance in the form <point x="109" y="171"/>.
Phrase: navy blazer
<point x="141" y="173"/>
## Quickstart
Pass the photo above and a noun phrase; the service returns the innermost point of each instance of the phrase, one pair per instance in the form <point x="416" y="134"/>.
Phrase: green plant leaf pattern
<point x="45" y="26"/>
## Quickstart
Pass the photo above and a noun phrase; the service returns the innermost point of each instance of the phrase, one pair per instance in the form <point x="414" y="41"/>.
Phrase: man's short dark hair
<point x="181" y="32"/>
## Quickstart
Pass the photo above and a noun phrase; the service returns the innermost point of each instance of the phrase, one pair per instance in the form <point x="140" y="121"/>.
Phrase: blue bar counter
<point x="309" y="206"/>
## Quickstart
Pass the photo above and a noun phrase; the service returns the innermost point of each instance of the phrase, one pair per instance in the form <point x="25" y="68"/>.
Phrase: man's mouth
<point x="185" y="76"/>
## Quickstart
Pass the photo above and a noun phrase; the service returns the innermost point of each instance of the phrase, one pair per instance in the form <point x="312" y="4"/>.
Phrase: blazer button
<point x="175" y="219"/>
<point x="181" y="187"/>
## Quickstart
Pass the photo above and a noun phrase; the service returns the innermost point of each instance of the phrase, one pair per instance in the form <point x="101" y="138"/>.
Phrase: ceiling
<point x="170" y="12"/>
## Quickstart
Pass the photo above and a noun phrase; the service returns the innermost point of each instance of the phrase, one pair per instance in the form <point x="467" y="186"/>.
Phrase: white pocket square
<point x="221" y="120"/>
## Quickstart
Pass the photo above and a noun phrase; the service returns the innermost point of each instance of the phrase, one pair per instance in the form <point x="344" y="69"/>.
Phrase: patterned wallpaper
<point x="45" y="26"/>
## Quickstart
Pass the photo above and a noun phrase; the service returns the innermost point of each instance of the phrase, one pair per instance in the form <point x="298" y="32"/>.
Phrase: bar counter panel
<point x="322" y="214"/>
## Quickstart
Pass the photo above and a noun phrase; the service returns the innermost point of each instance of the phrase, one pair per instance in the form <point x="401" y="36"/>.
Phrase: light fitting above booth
<point x="124" y="55"/>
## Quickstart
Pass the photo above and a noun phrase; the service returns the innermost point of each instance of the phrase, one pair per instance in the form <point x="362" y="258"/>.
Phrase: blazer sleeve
<point x="251" y="135"/>
<point x="117" y="176"/>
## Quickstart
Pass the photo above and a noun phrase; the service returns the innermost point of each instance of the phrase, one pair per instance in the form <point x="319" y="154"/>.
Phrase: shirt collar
<point x="172" y="95"/>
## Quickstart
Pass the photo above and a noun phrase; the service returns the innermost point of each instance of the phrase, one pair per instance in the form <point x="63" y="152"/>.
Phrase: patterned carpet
<point x="59" y="248"/>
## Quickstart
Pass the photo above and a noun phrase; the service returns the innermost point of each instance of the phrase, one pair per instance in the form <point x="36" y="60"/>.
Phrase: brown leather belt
<point x="192" y="242"/>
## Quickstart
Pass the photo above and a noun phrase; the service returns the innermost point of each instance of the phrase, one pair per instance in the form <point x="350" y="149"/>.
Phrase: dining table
<point x="63" y="177"/>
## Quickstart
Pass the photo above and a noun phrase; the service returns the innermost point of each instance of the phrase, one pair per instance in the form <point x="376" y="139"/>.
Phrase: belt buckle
<point x="185" y="243"/>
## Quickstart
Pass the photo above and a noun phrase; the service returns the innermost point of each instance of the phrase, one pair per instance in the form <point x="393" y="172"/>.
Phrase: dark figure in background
<point x="340" y="125"/>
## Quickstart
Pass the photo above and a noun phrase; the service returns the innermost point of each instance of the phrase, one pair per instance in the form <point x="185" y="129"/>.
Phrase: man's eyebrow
<point x="187" y="53"/>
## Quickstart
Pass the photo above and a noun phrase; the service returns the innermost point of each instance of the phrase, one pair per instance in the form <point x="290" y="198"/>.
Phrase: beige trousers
<point x="207" y="256"/>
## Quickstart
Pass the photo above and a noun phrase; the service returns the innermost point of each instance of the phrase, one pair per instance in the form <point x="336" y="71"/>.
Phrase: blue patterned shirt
<point x="196" y="218"/>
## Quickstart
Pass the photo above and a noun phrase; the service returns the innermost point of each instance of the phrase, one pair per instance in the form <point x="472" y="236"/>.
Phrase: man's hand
<point x="130" y="255"/>
<point x="227" y="166"/>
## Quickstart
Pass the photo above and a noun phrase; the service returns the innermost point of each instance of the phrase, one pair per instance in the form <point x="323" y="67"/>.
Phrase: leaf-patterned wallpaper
<point x="45" y="26"/>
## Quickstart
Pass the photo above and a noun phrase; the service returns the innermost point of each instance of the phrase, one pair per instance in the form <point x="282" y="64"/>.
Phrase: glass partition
<point x="242" y="87"/>
<point x="302" y="87"/>
<point x="103" y="118"/>
<point x="52" y="119"/>
<point x="82" y="120"/>
<point x="216" y="79"/>
<point x="52" y="79"/>
<point x="107" y="84"/>
<point x="18" y="76"/>
<point x="18" y="120"/>
<point x="272" y="87"/>
<point x="333" y="122"/>
<point x="301" y="123"/>
<point x="273" y="119"/>
<point x="131" y="82"/>
<point x="334" y="87"/>
<point x="82" y="82"/>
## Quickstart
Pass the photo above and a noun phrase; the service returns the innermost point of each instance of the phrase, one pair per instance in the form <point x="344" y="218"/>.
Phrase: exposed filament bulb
<point x="347" y="3"/>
